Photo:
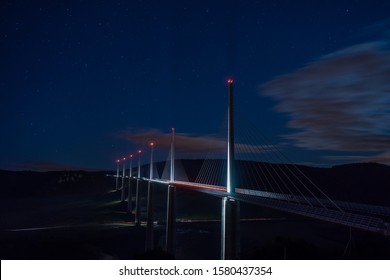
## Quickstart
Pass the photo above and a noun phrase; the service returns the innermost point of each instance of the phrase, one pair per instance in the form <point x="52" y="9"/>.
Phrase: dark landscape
<point x="77" y="215"/>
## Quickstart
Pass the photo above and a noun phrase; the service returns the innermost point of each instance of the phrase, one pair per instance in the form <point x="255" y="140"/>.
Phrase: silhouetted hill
<point x="27" y="183"/>
<point x="368" y="182"/>
<point x="359" y="182"/>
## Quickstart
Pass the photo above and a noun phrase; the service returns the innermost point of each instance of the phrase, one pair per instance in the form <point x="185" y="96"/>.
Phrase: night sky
<point x="83" y="82"/>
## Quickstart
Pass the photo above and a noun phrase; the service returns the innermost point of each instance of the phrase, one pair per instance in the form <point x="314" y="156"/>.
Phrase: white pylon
<point x="171" y="217"/>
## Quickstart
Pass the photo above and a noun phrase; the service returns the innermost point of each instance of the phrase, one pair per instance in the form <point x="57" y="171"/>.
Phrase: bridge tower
<point x="129" y="197"/>
<point x="123" y="180"/>
<point x="138" y="193"/>
<point x="149" y="221"/>
<point x="230" y="241"/>
<point x="117" y="174"/>
<point x="170" y="226"/>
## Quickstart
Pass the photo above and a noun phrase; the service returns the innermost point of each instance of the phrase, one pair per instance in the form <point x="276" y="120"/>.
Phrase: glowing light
<point x="139" y="151"/>
<point x="230" y="81"/>
<point x="131" y="156"/>
<point x="118" y="160"/>
<point x="124" y="158"/>
<point x="151" y="144"/>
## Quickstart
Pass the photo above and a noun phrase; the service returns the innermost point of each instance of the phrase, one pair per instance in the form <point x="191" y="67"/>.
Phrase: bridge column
<point x="138" y="193"/>
<point x="230" y="239"/>
<point x="230" y="245"/>
<point x="171" y="217"/>
<point x="123" y="180"/>
<point x="129" y="193"/>
<point x="149" y="221"/>
<point x="117" y="174"/>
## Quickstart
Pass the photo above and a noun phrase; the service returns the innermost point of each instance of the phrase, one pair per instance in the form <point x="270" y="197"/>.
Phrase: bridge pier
<point x="129" y="197"/>
<point x="137" y="217"/>
<point x="150" y="221"/>
<point x="129" y="191"/>
<point x="117" y="175"/>
<point x="137" y="213"/>
<point x="230" y="229"/>
<point x="171" y="218"/>
<point x="123" y="193"/>
<point x="171" y="215"/>
<point x="123" y="180"/>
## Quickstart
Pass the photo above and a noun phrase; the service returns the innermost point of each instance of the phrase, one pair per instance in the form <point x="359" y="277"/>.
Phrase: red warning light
<point x="118" y="161"/>
<point x="139" y="151"/>
<point x="124" y="158"/>
<point x="131" y="156"/>
<point x="151" y="144"/>
<point x="230" y="81"/>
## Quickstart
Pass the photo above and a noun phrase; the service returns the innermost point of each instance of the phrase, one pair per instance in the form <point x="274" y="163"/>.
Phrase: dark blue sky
<point x="78" y="78"/>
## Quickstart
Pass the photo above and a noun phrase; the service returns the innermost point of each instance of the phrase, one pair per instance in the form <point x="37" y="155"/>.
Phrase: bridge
<point x="285" y="189"/>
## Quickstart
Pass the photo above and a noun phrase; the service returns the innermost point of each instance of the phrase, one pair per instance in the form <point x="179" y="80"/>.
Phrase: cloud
<point x="340" y="102"/>
<point x="184" y="142"/>
<point x="379" y="28"/>
<point x="379" y="158"/>
<point x="188" y="144"/>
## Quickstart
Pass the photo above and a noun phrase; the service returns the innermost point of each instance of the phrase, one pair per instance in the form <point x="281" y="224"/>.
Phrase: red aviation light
<point x="118" y="161"/>
<point x="131" y="156"/>
<point x="139" y="151"/>
<point x="151" y="144"/>
<point x="124" y="158"/>
<point x="230" y="81"/>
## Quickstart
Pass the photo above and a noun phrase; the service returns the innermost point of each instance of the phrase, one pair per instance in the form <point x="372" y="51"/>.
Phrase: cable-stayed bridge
<point x="283" y="187"/>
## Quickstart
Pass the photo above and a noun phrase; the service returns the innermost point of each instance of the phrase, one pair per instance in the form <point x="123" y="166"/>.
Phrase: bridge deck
<point x="295" y="205"/>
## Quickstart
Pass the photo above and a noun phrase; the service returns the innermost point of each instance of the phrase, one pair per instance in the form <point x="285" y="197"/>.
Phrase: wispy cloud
<point x="188" y="144"/>
<point x="340" y="102"/>
<point x="183" y="142"/>
<point x="379" y="158"/>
